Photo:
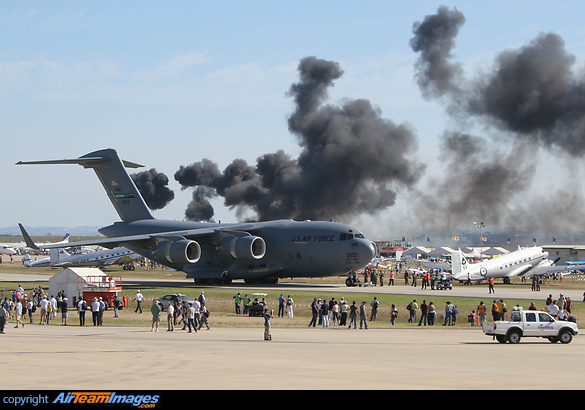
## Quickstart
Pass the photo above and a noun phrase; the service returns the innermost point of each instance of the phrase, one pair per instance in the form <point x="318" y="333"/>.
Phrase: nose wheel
<point x="352" y="279"/>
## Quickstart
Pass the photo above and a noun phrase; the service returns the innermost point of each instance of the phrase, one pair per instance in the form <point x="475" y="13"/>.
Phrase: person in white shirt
<point x="138" y="298"/>
<point x="95" y="311"/>
<point x="170" y="319"/>
<point x="553" y="310"/>
<point x="53" y="306"/>
<point x="44" y="305"/>
<point x="191" y="317"/>
<point x="29" y="309"/>
<point x="18" y="313"/>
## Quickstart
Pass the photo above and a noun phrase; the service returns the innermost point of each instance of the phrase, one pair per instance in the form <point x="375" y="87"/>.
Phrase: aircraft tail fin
<point x="458" y="263"/>
<point x="118" y="184"/>
<point x="27" y="239"/>
<point x="57" y="255"/>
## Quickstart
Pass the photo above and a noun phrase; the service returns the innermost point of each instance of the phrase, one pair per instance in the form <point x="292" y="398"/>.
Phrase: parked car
<point x="173" y="298"/>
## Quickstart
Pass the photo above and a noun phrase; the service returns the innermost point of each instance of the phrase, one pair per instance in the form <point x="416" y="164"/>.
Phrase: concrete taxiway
<point x="134" y="358"/>
<point x="104" y="358"/>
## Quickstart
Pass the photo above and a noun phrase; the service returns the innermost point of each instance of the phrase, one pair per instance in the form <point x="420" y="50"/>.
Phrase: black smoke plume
<point x="532" y="92"/>
<point x="153" y="188"/>
<point x="352" y="159"/>
<point x="531" y="100"/>
<point x="434" y="38"/>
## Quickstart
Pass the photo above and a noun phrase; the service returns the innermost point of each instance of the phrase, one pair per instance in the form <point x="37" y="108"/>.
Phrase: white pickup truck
<point x="531" y="323"/>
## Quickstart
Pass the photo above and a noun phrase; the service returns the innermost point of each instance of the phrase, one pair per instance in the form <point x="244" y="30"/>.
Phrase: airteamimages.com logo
<point x="77" y="399"/>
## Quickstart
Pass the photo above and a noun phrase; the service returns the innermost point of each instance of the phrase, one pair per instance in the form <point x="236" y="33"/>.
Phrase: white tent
<point x="68" y="280"/>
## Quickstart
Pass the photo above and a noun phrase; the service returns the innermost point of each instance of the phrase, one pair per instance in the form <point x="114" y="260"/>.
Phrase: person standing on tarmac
<point x="267" y="317"/>
<point x="363" y="315"/>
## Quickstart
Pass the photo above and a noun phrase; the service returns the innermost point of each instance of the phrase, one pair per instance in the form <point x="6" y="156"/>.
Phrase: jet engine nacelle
<point x="179" y="252"/>
<point x="243" y="247"/>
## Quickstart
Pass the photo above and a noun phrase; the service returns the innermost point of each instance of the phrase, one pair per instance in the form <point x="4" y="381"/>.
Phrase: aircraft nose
<point x="367" y="251"/>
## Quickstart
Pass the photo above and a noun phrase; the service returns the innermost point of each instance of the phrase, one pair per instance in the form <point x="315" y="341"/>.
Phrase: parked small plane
<point x="19" y="247"/>
<point x="108" y="257"/>
<point x="521" y="262"/>
<point x="7" y="250"/>
<point x="60" y="258"/>
<point x="219" y="252"/>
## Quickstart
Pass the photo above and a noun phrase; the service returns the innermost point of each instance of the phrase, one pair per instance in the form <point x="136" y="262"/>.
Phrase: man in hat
<point x="138" y="298"/>
<point x="156" y="310"/>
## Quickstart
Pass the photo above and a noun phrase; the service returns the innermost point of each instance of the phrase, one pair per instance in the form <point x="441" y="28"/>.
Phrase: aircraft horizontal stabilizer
<point x="87" y="162"/>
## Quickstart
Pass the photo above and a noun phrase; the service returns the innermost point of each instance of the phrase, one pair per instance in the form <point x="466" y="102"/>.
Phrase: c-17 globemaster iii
<point x="219" y="252"/>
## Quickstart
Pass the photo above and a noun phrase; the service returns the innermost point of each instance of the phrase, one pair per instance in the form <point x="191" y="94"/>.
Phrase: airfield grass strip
<point x="220" y="302"/>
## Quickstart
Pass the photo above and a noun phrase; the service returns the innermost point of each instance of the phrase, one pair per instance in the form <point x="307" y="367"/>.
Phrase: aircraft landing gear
<point x="352" y="279"/>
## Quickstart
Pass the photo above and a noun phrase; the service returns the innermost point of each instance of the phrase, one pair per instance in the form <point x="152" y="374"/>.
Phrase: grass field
<point x="220" y="300"/>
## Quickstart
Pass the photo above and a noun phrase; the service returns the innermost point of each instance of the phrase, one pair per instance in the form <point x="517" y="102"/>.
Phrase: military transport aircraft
<point x="216" y="252"/>
<point x="525" y="262"/>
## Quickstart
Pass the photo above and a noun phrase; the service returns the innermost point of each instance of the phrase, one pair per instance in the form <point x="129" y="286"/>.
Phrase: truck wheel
<point x="501" y="338"/>
<point x="553" y="339"/>
<point x="514" y="337"/>
<point x="565" y="337"/>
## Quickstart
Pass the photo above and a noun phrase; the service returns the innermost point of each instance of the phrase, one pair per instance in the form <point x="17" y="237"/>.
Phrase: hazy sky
<point x="168" y="84"/>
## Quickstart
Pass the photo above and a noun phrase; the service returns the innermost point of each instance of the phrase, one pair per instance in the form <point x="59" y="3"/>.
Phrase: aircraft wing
<point x="120" y="260"/>
<point x="106" y="242"/>
<point x="202" y="234"/>
<point x="521" y="270"/>
<point x="437" y="265"/>
<point x="541" y="270"/>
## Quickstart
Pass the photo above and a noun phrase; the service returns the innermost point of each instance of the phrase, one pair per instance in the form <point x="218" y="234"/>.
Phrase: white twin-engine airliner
<point x="521" y="262"/>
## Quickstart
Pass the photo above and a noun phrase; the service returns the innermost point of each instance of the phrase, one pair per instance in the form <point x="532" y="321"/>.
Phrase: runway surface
<point x="103" y="358"/>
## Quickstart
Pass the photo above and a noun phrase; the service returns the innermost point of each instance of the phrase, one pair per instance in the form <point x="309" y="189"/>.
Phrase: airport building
<point x="566" y="253"/>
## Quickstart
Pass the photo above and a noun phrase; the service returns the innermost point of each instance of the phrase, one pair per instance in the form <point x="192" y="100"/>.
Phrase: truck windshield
<point x="545" y="317"/>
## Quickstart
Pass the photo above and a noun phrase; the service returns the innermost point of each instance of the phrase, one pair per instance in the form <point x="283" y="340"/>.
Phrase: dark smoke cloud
<point x="532" y="92"/>
<point x="153" y="188"/>
<point x="530" y="100"/>
<point x="200" y="209"/>
<point x="352" y="159"/>
<point x="434" y="38"/>
<point x="481" y="180"/>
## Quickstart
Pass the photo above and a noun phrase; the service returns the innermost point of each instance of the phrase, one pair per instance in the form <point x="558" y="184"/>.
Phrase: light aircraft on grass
<point x="219" y="252"/>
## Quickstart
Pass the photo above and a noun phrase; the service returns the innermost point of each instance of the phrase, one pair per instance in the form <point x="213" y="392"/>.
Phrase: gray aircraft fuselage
<point x="293" y="249"/>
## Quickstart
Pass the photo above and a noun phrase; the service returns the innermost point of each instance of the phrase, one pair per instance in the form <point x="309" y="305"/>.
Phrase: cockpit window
<point x="348" y="236"/>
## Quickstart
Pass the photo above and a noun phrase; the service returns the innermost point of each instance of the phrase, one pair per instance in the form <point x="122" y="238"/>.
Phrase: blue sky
<point x="170" y="84"/>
